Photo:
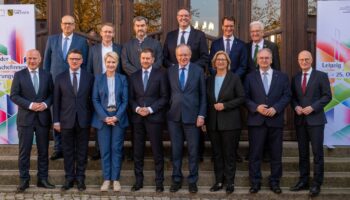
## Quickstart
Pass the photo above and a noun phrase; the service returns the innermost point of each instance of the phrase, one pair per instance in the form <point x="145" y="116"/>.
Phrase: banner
<point x="333" y="57"/>
<point x="17" y="35"/>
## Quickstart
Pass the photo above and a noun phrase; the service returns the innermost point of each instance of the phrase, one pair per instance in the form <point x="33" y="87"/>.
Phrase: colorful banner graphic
<point x="17" y="35"/>
<point x="333" y="57"/>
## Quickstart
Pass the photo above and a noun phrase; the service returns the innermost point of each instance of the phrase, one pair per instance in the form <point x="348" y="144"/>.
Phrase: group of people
<point x="107" y="85"/>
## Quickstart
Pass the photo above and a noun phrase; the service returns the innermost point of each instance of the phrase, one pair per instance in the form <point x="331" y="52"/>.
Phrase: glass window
<point x="87" y="14"/>
<point x="40" y="7"/>
<point x="268" y="12"/>
<point x="151" y="9"/>
<point x="205" y="16"/>
<point x="312" y="7"/>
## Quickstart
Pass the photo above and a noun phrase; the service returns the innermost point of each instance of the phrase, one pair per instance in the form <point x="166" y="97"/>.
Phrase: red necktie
<point x="303" y="84"/>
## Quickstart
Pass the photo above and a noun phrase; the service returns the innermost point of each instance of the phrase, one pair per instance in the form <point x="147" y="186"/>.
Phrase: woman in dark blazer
<point x="110" y="99"/>
<point x="225" y="95"/>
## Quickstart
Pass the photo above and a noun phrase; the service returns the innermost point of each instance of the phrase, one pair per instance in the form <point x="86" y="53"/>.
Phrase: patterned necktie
<point x="182" y="78"/>
<point x="265" y="82"/>
<point x="227" y="49"/>
<point x="182" y="39"/>
<point x="75" y="83"/>
<point x="145" y="80"/>
<point x="256" y="53"/>
<point x="303" y="85"/>
<point x="35" y="82"/>
<point x="65" y="47"/>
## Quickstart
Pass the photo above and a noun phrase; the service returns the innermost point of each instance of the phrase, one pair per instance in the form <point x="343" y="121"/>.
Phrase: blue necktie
<point x="227" y="49"/>
<point x="265" y="82"/>
<point x="182" y="78"/>
<point x="35" y="82"/>
<point x="182" y="39"/>
<point x="65" y="47"/>
<point x="145" y="80"/>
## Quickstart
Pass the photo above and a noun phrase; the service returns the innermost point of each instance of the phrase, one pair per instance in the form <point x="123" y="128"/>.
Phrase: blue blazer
<point x="95" y="60"/>
<point x="278" y="97"/>
<point x="100" y="100"/>
<point x="238" y="56"/>
<point x="53" y="57"/>
<point x="186" y="105"/>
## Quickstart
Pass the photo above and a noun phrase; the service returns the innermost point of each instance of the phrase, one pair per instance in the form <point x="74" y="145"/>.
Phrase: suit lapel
<point x="149" y="79"/>
<point x="42" y="80"/>
<point x="223" y="86"/>
<point x="274" y="81"/>
<point x="259" y="81"/>
<point x="190" y="74"/>
<point x="99" y="58"/>
<point x="140" y="81"/>
<point x="59" y="42"/>
<point x="69" y="82"/>
<point x="28" y="79"/>
<point x="298" y="83"/>
<point x="311" y="80"/>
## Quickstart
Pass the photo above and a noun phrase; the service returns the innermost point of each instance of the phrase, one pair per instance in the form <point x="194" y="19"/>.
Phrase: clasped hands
<point x="143" y="111"/>
<point x="266" y="111"/>
<point x="303" y="111"/>
<point x="111" y="120"/>
<point x="38" y="107"/>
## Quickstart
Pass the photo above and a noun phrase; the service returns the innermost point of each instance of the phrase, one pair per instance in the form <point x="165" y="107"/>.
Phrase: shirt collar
<point x="70" y="36"/>
<point x="309" y="71"/>
<point x="269" y="71"/>
<point x="36" y="70"/>
<point x="186" y="66"/>
<point x="78" y="71"/>
<point x="261" y="43"/>
<point x="188" y="29"/>
<point x="109" y="46"/>
<point x="231" y="38"/>
<point x="149" y="70"/>
<point x="140" y="40"/>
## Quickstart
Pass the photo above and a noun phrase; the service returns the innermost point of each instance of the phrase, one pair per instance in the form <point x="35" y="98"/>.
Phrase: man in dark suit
<point x="186" y="115"/>
<point x="185" y="34"/>
<point x="258" y="42"/>
<point x="311" y="92"/>
<point x="148" y="97"/>
<point x="132" y="49"/>
<point x="96" y="64"/>
<point x="55" y="61"/>
<point x="32" y="90"/>
<point x="72" y="118"/>
<point x="267" y="95"/>
<point x="233" y="46"/>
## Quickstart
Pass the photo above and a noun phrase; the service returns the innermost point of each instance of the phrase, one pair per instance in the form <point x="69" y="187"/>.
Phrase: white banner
<point x="333" y="57"/>
<point x="17" y="35"/>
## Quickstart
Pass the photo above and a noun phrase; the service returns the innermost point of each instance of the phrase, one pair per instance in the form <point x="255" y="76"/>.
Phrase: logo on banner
<point x="10" y="12"/>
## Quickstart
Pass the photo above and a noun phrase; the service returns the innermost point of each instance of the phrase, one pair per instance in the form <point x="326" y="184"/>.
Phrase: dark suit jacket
<point x="318" y="95"/>
<point x="23" y="94"/>
<point x="275" y="56"/>
<point x="95" y="60"/>
<point x="278" y="97"/>
<point x="156" y="95"/>
<point x="131" y="54"/>
<point x="238" y="55"/>
<point x="100" y="100"/>
<point x="67" y="106"/>
<point x="187" y="105"/>
<point x="196" y="40"/>
<point x="232" y="96"/>
<point x="53" y="57"/>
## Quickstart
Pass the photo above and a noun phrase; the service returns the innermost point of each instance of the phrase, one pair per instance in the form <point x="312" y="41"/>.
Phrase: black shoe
<point x="276" y="189"/>
<point x="67" y="185"/>
<point x="266" y="158"/>
<point x="239" y="158"/>
<point x="230" y="188"/>
<point x="254" y="188"/>
<point x="81" y="185"/>
<point x="300" y="186"/>
<point x="23" y="185"/>
<point x="136" y="187"/>
<point x="44" y="183"/>
<point x="56" y="155"/>
<point x="216" y="187"/>
<point x="315" y="190"/>
<point x="175" y="186"/>
<point x="96" y="156"/>
<point x="192" y="188"/>
<point x="159" y="188"/>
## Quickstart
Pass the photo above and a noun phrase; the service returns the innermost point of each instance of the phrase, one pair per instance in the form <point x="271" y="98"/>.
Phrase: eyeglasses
<point x="264" y="58"/>
<point x="221" y="59"/>
<point x="74" y="59"/>
<point x="67" y="23"/>
<point x="304" y="60"/>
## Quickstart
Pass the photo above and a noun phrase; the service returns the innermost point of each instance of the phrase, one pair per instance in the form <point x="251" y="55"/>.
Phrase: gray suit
<point x="131" y="54"/>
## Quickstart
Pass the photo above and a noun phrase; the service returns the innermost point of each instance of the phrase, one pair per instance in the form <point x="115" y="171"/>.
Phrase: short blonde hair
<point x="227" y="58"/>
<point x="113" y="55"/>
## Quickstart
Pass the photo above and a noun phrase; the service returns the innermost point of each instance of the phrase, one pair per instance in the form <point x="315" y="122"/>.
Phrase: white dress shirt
<point x="105" y="50"/>
<point x="69" y="41"/>
<point x="232" y="38"/>
<point x="78" y="77"/>
<point x="186" y="35"/>
<point x="268" y="75"/>
<point x="307" y="76"/>
<point x="143" y="77"/>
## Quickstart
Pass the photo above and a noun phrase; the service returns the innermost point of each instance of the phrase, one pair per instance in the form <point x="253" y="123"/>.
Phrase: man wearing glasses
<point x="55" y="60"/>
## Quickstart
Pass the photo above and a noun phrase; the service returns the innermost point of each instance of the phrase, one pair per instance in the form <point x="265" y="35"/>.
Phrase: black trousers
<point x="25" y="136"/>
<point x="224" y="145"/>
<point x="75" y="143"/>
<point x="257" y="136"/>
<point x="305" y="135"/>
<point x="154" y="133"/>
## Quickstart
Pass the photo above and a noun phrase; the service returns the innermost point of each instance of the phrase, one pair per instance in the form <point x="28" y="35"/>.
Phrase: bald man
<point x="311" y="92"/>
<point x="31" y="91"/>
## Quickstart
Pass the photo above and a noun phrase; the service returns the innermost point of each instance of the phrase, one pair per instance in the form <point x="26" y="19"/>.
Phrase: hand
<point x="200" y="121"/>
<point x="299" y="110"/>
<point x="219" y="106"/>
<point x="57" y="127"/>
<point x="35" y="106"/>
<point x="41" y="107"/>
<point x="270" y="112"/>
<point x="262" y="109"/>
<point x="307" y="110"/>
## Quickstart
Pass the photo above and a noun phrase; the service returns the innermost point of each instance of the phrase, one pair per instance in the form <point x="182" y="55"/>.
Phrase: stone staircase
<point x="336" y="182"/>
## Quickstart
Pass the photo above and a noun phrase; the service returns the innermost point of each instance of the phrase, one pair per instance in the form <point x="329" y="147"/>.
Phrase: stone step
<point x="92" y="192"/>
<point x="332" y="164"/>
<point x="206" y="178"/>
<point x="290" y="149"/>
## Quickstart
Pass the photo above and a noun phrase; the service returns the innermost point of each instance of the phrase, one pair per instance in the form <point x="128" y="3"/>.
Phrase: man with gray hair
<point x="132" y="49"/>
<point x="257" y="43"/>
